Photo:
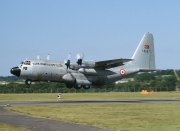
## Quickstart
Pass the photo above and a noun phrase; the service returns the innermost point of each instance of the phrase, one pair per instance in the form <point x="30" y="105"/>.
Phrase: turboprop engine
<point x="79" y="64"/>
<point x="69" y="78"/>
<point x="76" y="78"/>
<point x="85" y="64"/>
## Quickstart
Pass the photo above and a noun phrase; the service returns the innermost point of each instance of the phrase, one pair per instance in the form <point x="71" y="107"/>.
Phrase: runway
<point x="40" y="124"/>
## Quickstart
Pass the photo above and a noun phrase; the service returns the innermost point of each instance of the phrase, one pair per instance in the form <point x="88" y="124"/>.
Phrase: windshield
<point x="27" y="63"/>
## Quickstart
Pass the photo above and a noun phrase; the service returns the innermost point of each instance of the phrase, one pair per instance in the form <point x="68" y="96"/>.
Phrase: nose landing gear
<point x="28" y="82"/>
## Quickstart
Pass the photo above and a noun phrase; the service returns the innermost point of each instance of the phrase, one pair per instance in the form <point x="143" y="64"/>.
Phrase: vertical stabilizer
<point x="144" y="57"/>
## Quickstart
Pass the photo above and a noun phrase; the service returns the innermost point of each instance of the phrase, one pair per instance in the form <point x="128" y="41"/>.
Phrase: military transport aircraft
<point x="85" y="73"/>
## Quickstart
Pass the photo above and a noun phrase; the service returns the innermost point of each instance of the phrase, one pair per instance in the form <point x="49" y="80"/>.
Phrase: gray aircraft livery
<point x="85" y="73"/>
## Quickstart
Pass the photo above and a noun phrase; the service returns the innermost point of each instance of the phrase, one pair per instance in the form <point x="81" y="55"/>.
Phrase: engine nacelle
<point x="85" y="64"/>
<point x="76" y="78"/>
<point x="69" y="78"/>
<point x="83" y="82"/>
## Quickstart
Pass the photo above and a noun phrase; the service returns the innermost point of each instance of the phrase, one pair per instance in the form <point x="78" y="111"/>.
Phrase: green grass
<point x="6" y="127"/>
<point x="121" y="117"/>
<point x="88" y="96"/>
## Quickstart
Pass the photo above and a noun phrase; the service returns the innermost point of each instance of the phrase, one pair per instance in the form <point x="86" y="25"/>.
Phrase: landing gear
<point x="69" y="86"/>
<point x="86" y="87"/>
<point x="28" y="82"/>
<point x="77" y="86"/>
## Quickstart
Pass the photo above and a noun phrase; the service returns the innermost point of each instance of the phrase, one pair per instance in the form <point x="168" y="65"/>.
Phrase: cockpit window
<point x="27" y="63"/>
<point x="24" y="68"/>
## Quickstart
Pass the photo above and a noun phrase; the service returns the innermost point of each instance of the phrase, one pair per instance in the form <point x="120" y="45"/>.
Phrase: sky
<point x="101" y="29"/>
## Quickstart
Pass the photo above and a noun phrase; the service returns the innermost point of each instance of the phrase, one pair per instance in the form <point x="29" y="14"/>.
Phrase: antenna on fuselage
<point x="37" y="56"/>
<point x="48" y="57"/>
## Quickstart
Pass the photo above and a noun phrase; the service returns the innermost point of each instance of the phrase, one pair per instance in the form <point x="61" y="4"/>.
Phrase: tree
<point x="144" y="77"/>
<point x="171" y="83"/>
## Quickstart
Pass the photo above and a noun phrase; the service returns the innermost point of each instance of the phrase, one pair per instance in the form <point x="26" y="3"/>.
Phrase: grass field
<point x="88" y="96"/>
<point x="6" y="127"/>
<point x="121" y="117"/>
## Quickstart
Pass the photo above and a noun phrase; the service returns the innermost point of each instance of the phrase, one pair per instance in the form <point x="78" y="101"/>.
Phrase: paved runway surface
<point x="40" y="124"/>
<point x="57" y="102"/>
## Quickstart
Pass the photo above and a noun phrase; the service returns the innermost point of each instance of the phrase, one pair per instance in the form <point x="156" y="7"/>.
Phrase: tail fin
<point x="144" y="57"/>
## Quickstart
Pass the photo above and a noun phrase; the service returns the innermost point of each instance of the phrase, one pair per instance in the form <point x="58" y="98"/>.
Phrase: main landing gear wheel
<point x="28" y="82"/>
<point x="86" y="87"/>
<point x="78" y="86"/>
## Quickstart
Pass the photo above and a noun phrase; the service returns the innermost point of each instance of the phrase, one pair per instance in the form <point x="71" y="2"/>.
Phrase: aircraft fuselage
<point x="56" y="71"/>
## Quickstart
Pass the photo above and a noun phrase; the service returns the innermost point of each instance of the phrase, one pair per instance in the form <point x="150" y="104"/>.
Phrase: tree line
<point x="157" y="81"/>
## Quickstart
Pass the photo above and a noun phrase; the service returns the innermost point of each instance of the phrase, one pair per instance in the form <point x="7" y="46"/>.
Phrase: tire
<point x="86" y="87"/>
<point x="28" y="82"/>
<point x="78" y="86"/>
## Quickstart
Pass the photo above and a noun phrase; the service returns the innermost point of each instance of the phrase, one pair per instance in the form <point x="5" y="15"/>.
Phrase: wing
<point x="110" y="63"/>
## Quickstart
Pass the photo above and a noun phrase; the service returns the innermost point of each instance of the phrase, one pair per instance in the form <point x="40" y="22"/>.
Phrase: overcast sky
<point x="101" y="29"/>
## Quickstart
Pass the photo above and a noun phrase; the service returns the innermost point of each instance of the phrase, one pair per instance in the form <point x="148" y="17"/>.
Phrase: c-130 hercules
<point x="85" y="73"/>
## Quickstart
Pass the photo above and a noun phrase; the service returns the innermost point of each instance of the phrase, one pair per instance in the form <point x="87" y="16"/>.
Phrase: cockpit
<point x="24" y="63"/>
<point x="27" y="63"/>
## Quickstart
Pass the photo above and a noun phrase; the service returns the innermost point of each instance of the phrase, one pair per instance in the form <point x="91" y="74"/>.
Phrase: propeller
<point x="79" y="59"/>
<point x="67" y="62"/>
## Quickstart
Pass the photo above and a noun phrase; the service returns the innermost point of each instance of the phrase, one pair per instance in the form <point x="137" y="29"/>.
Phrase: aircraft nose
<point x="16" y="71"/>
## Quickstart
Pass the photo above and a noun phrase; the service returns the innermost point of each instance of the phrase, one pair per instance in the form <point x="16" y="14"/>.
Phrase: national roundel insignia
<point x="122" y="72"/>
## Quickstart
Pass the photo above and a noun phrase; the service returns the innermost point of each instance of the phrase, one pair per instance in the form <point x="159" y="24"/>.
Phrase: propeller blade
<point x="67" y="62"/>
<point x="78" y="56"/>
<point x="82" y="56"/>
<point x="80" y="59"/>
